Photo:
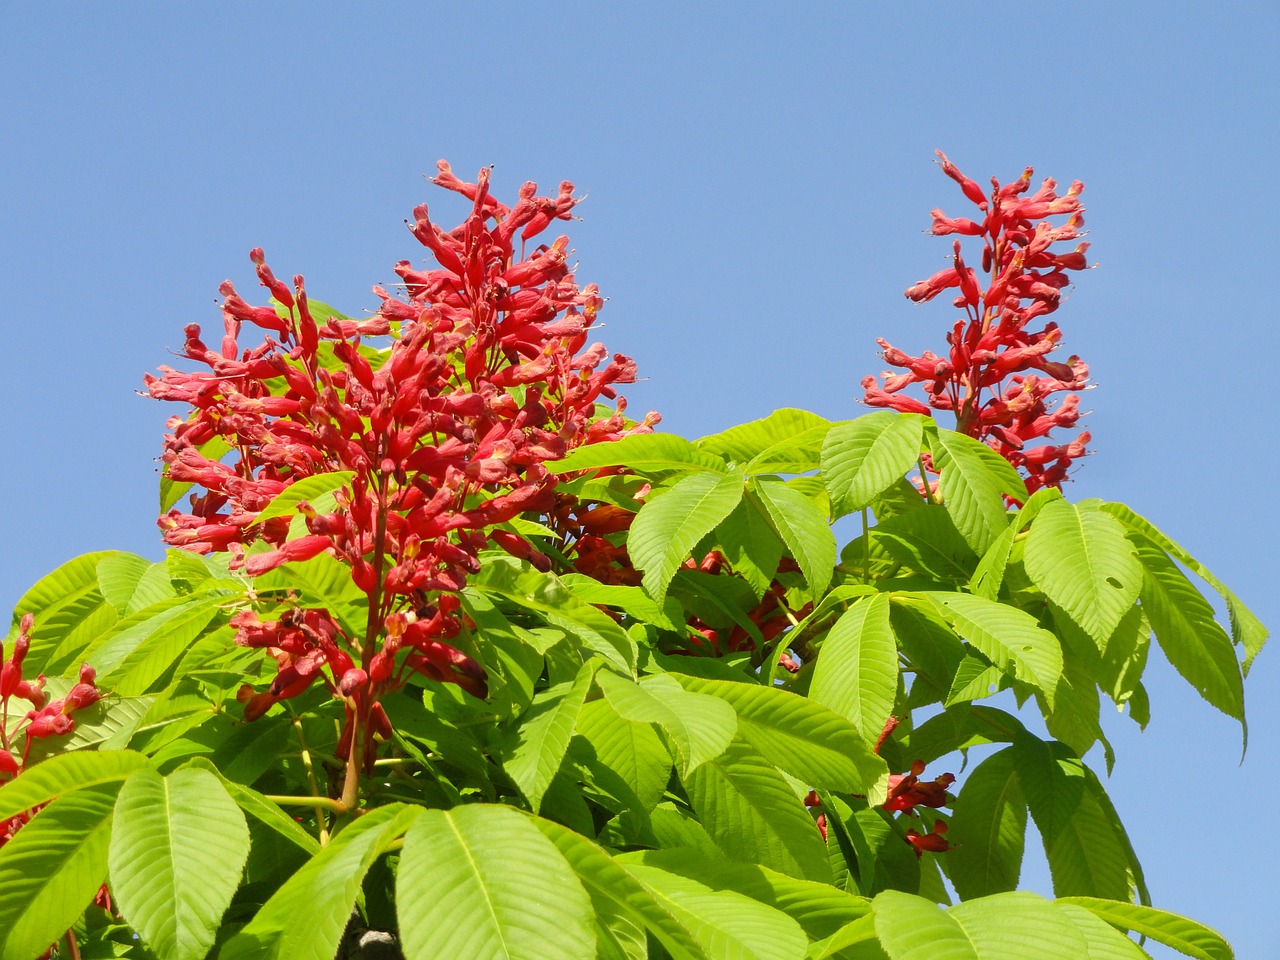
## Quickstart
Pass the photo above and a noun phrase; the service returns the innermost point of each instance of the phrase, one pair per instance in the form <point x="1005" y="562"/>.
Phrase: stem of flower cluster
<point x="323" y="828"/>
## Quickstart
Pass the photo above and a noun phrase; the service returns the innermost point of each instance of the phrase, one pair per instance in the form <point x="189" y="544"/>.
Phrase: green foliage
<point x="712" y="746"/>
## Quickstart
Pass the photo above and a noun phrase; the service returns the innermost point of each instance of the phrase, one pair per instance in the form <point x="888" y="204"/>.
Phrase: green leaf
<point x="801" y="736"/>
<point x="44" y="781"/>
<point x="642" y="452"/>
<point x="913" y="928"/>
<point x="305" y="918"/>
<point x="553" y="601"/>
<point x="51" y="869"/>
<point x="130" y="582"/>
<point x="1087" y="854"/>
<point x="466" y="882"/>
<point x="1184" y="625"/>
<point x="1181" y="933"/>
<point x="786" y="441"/>
<point x="863" y="458"/>
<point x="803" y="528"/>
<point x="1246" y="629"/>
<point x="1014" y="926"/>
<point x="856" y="673"/>
<point x="724" y="923"/>
<point x="1008" y="637"/>
<point x="958" y="728"/>
<point x="988" y="829"/>
<point x="1080" y="557"/>
<point x="69" y="610"/>
<point x="989" y="575"/>
<point x="178" y="846"/>
<point x="108" y="723"/>
<point x="751" y="545"/>
<point x="700" y="727"/>
<point x="317" y="490"/>
<point x="669" y="526"/>
<point x="974" y="480"/>
<point x="633" y="751"/>
<point x="145" y="646"/>
<point x="260" y="808"/>
<point x="543" y="735"/>
<point x="754" y="815"/>
<point x="632" y="601"/>
<point x="819" y="908"/>
<point x="1105" y="942"/>
<point x="607" y="882"/>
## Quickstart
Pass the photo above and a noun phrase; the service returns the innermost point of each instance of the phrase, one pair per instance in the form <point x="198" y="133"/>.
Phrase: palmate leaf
<point x="482" y="881"/>
<point x="1105" y="942"/>
<point x="1007" y="636"/>
<point x="633" y="751"/>
<point x="800" y="736"/>
<point x="856" y="673"/>
<point x="644" y="453"/>
<point x="698" y="726"/>
<point x="51" y="869"/>
<point x="130" y="582"/>
<point x="543" y="733"/>
<point x="1087" y="852"/>
<point x="802" y="526"/>
<point x="863" y="458"/>
<point x="724" y="923"/>
<point x="59" y="775"/>
<point x="551" y="600"/>
<point x="178" y="846"/>
<point x="1190" y="637"/>
<point x="1005" y="926"/>
<point x="305" y="918"/>
<point x="751" y="545"/>
<point x="973" y="481"/>
<point x="144" y="647"/>
<point x="785" y="439"/>
<point x="754" y="815"/>
<point x="69" y="609"/>
<point x="1081" y="559"/>
<point x="988" y="829"/>
<point x="614" y="890"/>
<point x="819" y="908"/>
<point x="1246" y="629"/>
<point x="669" y="526"/>
<point x="1182" y="934"/>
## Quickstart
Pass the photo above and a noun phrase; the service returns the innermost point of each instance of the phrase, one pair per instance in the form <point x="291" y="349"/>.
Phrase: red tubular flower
<point x="906" y="791"/>
<point x="933" y="841"/>
<point x="992" y="352"/>
<point x="487" y="375"/>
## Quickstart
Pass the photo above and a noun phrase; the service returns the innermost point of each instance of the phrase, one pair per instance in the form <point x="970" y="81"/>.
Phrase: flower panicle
<point x="997" y="377"/>
<point x="488" y="373"/>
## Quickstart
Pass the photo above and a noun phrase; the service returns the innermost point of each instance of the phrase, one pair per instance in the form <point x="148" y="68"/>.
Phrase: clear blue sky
<point x="760" y="178"/>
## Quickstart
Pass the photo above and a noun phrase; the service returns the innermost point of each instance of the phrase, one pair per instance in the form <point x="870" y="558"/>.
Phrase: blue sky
<point x="759" y="184"/>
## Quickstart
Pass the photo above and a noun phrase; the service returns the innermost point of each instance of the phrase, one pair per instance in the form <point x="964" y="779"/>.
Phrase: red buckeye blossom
<point x="906" y="791"/>
<point x="933" y="841"/>
<point x="434" y="418"/>
<point x="996" y="377"/>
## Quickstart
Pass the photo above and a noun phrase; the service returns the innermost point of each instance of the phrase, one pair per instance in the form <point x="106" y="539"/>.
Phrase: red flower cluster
<point x="46" y="718"/>
<point x="997" y="378"/>
<point x="444" y="431"/>
<point x="906" y="791"/>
